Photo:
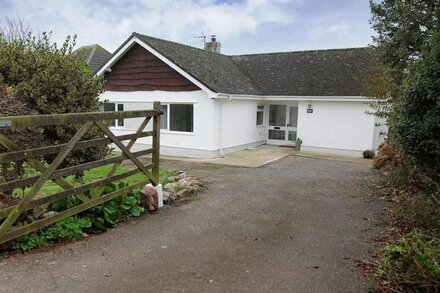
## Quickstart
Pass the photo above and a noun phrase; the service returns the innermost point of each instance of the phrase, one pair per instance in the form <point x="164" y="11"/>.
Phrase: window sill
<point x="261" y="126"/>
<point x="163" y="131"/>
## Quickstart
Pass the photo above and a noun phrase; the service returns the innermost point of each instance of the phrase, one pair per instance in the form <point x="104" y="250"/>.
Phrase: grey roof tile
<point x="94" y="55"/>
<point x="336" y="72"/>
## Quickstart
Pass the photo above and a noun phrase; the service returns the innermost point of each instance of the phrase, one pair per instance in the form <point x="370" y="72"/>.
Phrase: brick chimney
<point x="213" y="46"/>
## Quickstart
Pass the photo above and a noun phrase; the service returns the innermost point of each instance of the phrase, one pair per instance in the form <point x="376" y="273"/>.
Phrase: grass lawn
<point x="95" y="174"/>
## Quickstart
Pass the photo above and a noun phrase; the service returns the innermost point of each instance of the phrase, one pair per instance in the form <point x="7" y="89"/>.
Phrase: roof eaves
<point x="140" y="38"/>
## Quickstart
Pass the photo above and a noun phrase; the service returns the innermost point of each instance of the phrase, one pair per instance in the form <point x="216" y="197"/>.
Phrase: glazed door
<point x="283" y="121"/>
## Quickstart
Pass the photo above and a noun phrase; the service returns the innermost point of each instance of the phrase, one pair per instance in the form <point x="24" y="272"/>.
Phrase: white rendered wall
<point x="336" y="127"/>
<point x="238" y="124"/>
<point x="172" y="143"/>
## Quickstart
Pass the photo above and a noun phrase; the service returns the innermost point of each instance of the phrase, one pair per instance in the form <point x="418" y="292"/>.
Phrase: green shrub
<point x="164" y="174"/>
<point x="69" y="228"/>
<point x="368" y="154"/>
<point x="48" y="79"/>
<point x="95" y="220"/>
<point x="417" y="122"/>
<point x="412" y="263"/>
<point x="111" y="212"/>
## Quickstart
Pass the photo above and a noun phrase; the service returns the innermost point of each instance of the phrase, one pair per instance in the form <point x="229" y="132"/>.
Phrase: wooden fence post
<point x="156" y="142"/>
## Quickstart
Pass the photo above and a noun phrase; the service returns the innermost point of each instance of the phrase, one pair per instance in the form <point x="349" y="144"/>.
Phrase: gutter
<point x="291" y="98"/>
<point x="220" y="125"/>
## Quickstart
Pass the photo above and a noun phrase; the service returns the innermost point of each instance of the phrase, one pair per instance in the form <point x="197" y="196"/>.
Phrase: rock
<point x="171" y="187"/>
<point x="184" y="182"/>
<point x="172" y="178"/>
<point x="40" y="210"/>
<point x="197" y="183"/>
<point x="169" y="197"/>
<point x="184" y="193"/>
<point x="180" y="175"/>
<point x="195" y="189"/>
<point x="149" y="198"/>
<point x="48" y="214"/>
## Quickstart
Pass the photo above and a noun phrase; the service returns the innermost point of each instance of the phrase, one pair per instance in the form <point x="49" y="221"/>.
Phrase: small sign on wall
<point x="309" y="111"/>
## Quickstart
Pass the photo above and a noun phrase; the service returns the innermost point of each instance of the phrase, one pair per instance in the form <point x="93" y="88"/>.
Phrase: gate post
<point x="156" y="142"/>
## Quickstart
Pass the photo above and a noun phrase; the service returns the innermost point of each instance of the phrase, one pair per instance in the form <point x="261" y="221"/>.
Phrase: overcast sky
<point x="243" y="26"/>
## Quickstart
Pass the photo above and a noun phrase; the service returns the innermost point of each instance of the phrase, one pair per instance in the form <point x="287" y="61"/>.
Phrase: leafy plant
<point x="413" y="263"/>
<point x="95" y="220"/>
<point x="115" y="210"/>
<point x="298" y="143"/>
<point x="417" y="123"/>
<point x="164" y="174"/>
<point x="368" y="154"/>
<point x="69" y="228"/>
<point x="48" y="79"/>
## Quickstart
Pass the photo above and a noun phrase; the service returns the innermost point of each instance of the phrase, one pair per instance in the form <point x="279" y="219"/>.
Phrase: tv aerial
<point x="202" y="37"/>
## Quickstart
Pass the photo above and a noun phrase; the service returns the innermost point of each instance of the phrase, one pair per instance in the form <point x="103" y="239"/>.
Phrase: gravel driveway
<point x="295" y="225"/>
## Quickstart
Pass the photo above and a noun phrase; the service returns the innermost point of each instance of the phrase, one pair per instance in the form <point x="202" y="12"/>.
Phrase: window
<point x="177" y="117"/>
<point x="277" y="116"/>
<point x="164" y="117"/>
<point x="260" y="115"/>
<point x="110" y="107"/>
<point x="120" y="121"/>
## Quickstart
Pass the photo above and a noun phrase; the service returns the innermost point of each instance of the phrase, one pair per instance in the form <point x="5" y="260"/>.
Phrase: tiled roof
<point x="94" y="55"/>
<point x="336" y="72"/>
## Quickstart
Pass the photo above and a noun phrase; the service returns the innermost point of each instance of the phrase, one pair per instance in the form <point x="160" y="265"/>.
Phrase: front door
<point x="283" y="121"/>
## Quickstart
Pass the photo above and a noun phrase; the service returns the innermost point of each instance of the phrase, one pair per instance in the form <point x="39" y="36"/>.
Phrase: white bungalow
<point x="215" y="104"/>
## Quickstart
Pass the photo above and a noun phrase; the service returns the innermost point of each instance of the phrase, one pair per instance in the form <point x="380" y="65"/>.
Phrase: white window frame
<point x="259" y="111"/>
<point x="116" y="110"/>
<point x="167" y="130"/>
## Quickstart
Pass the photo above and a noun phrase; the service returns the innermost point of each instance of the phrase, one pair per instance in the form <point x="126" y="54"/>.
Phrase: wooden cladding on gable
<point x="139" y="70"/>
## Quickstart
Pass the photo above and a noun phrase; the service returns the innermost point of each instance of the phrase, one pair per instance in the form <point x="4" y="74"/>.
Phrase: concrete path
<point x="265" y="154"/>
<point x="250" y="158"/>
<point x="295" y="225"/>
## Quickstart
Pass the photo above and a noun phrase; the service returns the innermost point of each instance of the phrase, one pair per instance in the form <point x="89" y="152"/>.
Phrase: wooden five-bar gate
<point x="30" y="200"/>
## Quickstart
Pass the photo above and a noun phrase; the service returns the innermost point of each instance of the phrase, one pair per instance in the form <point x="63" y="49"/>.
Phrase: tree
<point x="11" y="29"/>
<point x="26" y="138"/>
<point x="402" y="27"/>
<point x="49" y="79"/>
<point x="417" y="123"/>
<point x="407" y="47"/>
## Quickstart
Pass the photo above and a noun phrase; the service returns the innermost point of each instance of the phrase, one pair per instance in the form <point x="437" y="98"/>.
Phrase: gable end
<point x="140" y="70"/>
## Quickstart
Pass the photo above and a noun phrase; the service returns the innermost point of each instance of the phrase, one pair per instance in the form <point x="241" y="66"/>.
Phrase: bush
<point x="49" y="79"/>
<point x="95" y="220"/>
<point x="412" y="264"/>
<point x="69" y="228"/>
<point x="109" y="213"/>
<point x="26" y="138"/>
<point x="417" y="122"/>
<point x="368" y="154"/>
